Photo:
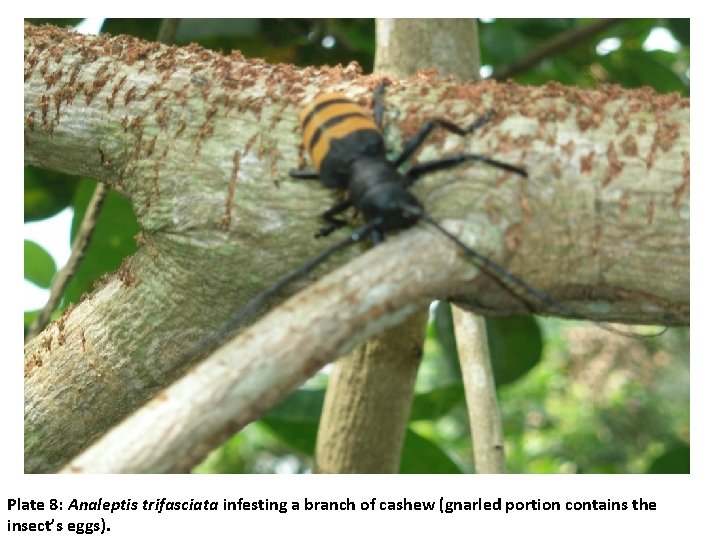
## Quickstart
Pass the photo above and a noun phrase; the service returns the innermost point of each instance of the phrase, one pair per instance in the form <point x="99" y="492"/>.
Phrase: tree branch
<point x="483" y="409"/>
<point x="368" y="401"/>
<point x="79" y="248"/>
<point x="253" y="372"/>
<point x="555" y="45"/>
<point x="200" y="143"/>
<point x="168" y="29"/>
<point x="405" y="46"/>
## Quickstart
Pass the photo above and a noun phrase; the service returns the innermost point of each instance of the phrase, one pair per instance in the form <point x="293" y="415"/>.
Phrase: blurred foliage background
<point x="574" y="398"/>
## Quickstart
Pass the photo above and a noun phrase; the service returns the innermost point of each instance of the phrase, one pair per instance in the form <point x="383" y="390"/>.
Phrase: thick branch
<point x="201" y="143"/>
<point x="368" y="402"/>
<point x="405" y="46"/>
<point x="253" y="372"/>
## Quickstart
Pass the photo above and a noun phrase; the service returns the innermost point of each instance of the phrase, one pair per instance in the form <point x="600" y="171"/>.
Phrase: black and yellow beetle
<point x="347" y="149"/>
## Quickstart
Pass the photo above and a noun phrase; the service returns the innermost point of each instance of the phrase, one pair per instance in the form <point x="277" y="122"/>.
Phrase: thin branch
<point x="483" y="408"/>
<point x="559" y="43"/>
<point x="79" y="247"/>
<point x="168" y="28"/>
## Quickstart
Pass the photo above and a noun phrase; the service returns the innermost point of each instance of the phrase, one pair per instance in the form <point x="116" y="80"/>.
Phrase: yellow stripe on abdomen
<point x="338" y="131"/>
<point x="315" y="122"/>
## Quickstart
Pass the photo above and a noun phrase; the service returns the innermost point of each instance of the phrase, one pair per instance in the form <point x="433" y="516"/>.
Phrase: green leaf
<point x="197" y="30"/>
<point x="680" y="28"/>
<point x="634" y="68"/>
<point x="423" y="456"/>
<point x="515" y="346"/>
<point x="39" y="265"/>
<point x="446" y="331"/>
<point x="502" y="45"/>
<point x="357" y="34"/>
<point x="440" y="366"/>
<point x="436" y="403"/>
<point x="297" y="434"/>
<point x="247" y="35"/>
<point x="676" y="460"/>
<point x="46" y="192"/>
<point x="543" y="29"/>
<point x="303" y="405"/>
<point x="30" y="316"/>
<point x="295" y="421"/>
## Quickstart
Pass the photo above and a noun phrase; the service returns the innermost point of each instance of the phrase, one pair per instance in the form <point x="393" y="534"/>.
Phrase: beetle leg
<point x="377" y="236"/>
<point x="305" y="174"/>
<point x="333" y="222"/>
<point x="448" y="162"/>
<point x="414" y="142"/>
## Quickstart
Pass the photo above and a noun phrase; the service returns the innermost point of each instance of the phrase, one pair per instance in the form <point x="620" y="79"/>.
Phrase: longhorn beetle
<point x="347" y="149"/>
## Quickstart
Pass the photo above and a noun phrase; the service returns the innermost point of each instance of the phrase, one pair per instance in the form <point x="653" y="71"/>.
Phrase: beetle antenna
<point x="520" y="288"/>
<point x="251" y="309"/>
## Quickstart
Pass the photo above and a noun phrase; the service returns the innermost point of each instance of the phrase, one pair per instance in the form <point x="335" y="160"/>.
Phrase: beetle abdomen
<point x="336" y="131"/>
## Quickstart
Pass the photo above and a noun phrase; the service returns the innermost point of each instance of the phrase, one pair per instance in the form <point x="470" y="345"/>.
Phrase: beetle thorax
<point x="377" y="190"/>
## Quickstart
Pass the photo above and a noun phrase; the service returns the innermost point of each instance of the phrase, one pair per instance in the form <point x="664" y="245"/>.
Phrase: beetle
<point x="348" y="152"/>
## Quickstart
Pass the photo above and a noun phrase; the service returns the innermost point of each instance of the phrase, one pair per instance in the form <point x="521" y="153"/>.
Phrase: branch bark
<point x="200" y="143"/>
<point x="168" y="27"/>
<point x="368" y="401"/>
<point x="486" y="426"/>
<point x="405" y="46"/>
